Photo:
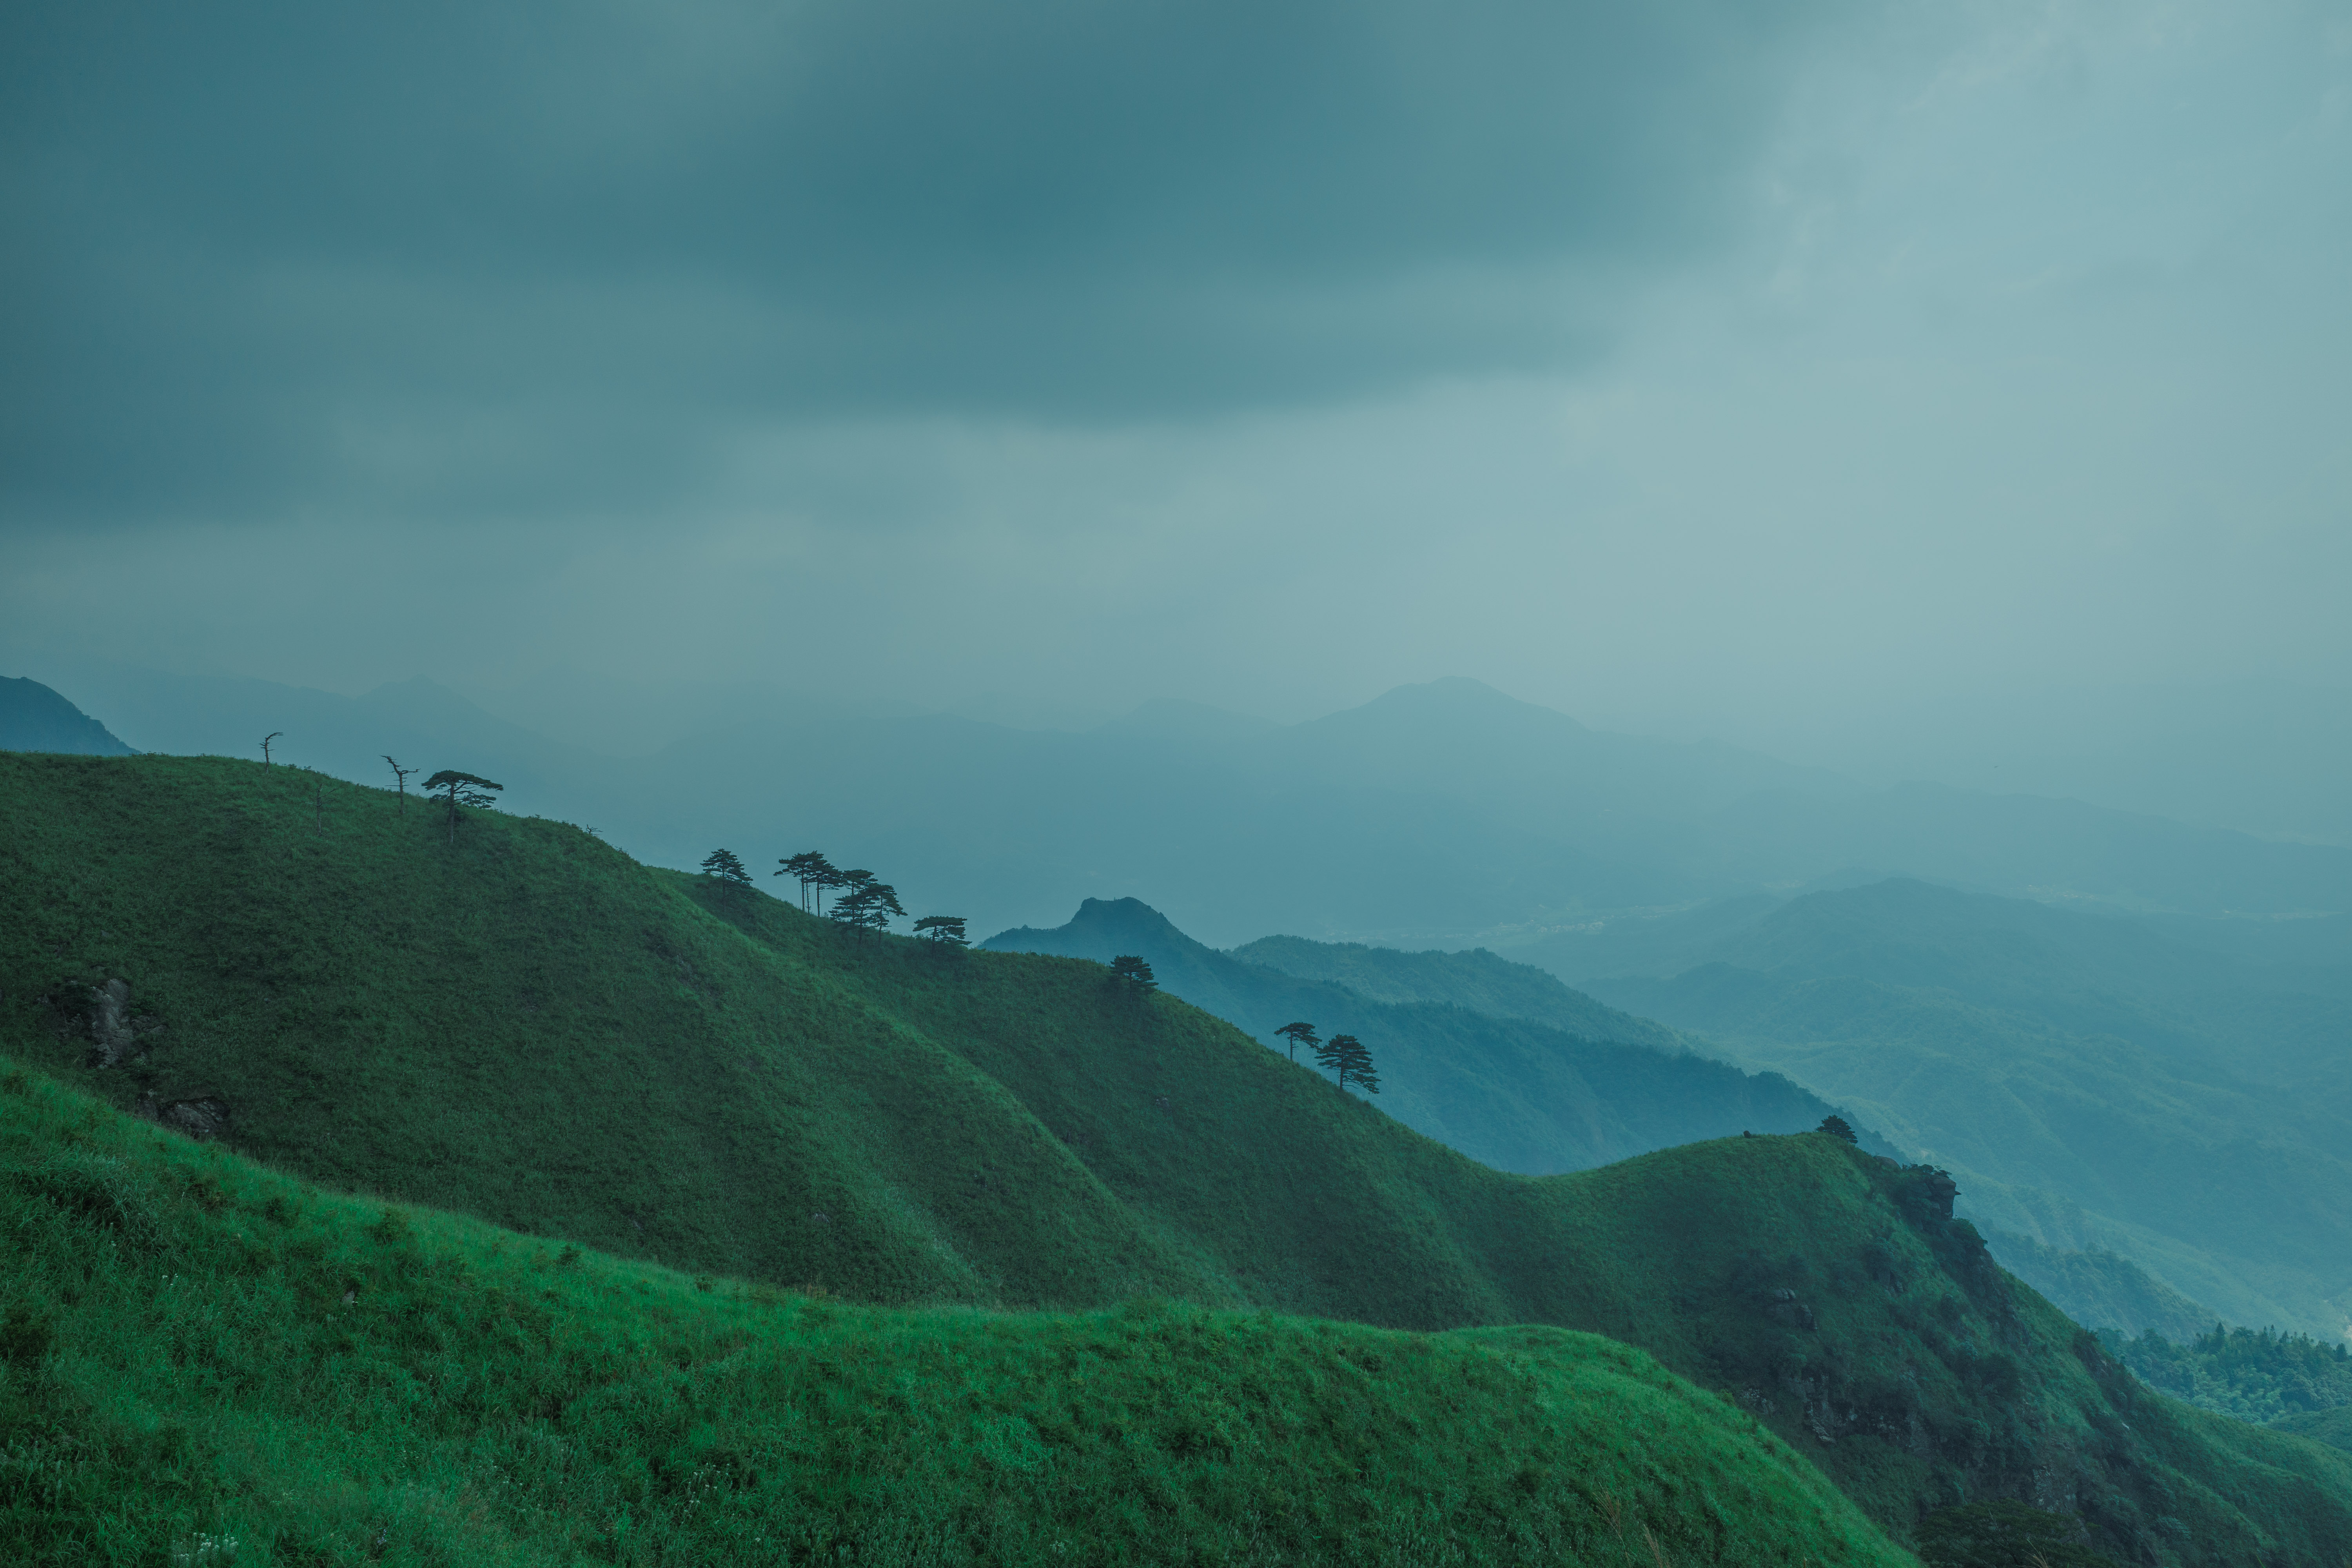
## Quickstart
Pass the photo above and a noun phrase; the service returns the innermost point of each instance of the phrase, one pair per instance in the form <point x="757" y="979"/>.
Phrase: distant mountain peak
<point x="1459" y="694"/>
<point x="36" y="718"/>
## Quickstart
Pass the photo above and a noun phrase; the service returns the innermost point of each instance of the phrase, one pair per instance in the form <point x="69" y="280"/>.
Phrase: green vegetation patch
<point x="204" y="1361"/>
<point x="2254" y="1375"/>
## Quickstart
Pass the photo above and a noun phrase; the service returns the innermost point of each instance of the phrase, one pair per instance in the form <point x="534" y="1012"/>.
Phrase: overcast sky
<point x="1765" y="370"/>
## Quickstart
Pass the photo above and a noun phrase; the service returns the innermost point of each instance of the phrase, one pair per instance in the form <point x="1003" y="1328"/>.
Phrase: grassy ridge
<point x="527" y="1026"/>
<point x="201" y="1360"/>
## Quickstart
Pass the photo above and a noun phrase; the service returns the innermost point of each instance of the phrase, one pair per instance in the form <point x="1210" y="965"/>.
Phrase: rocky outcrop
<point x="205" y="1116"/>
<point x="115" y="1036"/>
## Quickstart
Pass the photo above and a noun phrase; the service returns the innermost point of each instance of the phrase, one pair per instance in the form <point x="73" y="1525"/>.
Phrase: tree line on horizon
<point x="862" y="901"/>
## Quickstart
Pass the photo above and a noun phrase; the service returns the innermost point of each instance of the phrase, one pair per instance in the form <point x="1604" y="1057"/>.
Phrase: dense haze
<point x="1954" y="393"/>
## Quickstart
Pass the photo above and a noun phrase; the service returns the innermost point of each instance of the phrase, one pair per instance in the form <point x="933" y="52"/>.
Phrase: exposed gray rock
<point x="203" y="1117"/>
<point x="113" y="1041"/>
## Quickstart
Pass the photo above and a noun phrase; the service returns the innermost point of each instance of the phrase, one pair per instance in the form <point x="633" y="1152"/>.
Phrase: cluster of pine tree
<point x="1345" y="1056"/>
<point x="862" y="901"/>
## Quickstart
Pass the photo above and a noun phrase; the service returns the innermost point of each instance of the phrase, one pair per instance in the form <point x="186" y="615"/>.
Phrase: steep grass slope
<point x="201" y="1361"/>
<point x="1508" y="1091"/>
<point x="515" y="1021"/>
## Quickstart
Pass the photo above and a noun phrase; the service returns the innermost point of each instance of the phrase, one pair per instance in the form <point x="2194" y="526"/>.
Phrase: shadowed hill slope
<point x="528" y="1027"/>
<point x="1510" y="1092"/>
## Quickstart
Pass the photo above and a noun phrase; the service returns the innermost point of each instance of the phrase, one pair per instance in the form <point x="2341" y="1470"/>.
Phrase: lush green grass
<point x="527" y="1027"/>
<point x="196" y="1351"/>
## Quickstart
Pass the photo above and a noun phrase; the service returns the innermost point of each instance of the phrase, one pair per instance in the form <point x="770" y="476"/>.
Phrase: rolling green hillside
<point x="201" y="1361"/>
<point x="1476" y="980"/>
<point x="1512" y="1093"/>
<point x="2055" y="1059"/>
<point x="515" y="1021"/>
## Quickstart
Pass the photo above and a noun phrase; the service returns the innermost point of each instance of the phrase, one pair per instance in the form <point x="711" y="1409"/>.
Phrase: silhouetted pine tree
<point x="810" y="869"/>
<point x="725" y="867"/>
<point x="1300" y="1034"/>
<point x="1349" y="1058"/>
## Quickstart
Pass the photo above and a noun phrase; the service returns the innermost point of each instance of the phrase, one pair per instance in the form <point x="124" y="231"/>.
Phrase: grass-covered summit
<point x="527" y="1026"/>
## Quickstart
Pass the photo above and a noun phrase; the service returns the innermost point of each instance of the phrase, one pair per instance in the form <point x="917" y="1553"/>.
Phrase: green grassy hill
<point x="203" y="1362"/>
<point x="1509" y="1091"/>
<point x="519" y="1022"/>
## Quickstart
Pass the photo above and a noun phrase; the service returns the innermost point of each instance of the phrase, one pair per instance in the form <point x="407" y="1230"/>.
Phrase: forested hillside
<point x="507" y="1018"/>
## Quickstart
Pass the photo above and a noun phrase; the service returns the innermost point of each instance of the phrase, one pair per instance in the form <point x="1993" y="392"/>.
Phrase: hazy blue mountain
<point x="2056" y="851"/>
<point x="2045" y="1052"/>
<point x="1624" y="797"/>
<point x="1479" y="980"/>
<point x="2101" y="1289"/>
<point x="1189" y="723"/>
<point x="1514" y="1094"/>
<point x="1443" y="815"/>
<point x="34" y="718"/>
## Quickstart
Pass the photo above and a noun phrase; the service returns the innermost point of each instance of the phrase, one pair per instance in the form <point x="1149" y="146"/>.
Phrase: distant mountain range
<point x="2093" y="1082"/>
<point x="1446" y="813"/>
<point x="1517" y="1091"/>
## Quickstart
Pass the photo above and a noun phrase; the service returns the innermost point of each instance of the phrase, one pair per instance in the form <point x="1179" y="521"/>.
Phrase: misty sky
<point x="1788" y="373"/>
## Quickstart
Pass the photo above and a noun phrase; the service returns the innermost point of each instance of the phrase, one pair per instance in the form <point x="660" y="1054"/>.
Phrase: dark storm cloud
<point x="495" y="259"/>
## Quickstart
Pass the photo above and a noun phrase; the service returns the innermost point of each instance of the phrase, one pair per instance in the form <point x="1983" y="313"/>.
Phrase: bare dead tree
<point x="265" y="744"/>
<point x="399" y="780"/>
